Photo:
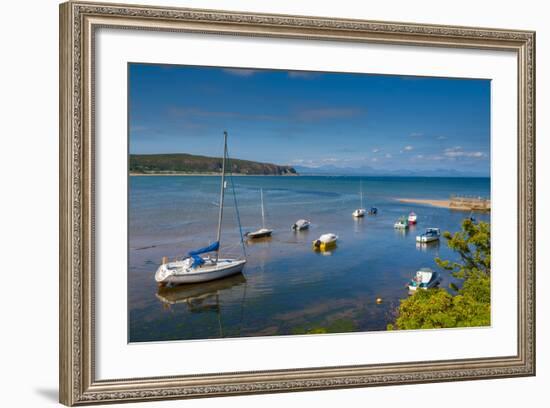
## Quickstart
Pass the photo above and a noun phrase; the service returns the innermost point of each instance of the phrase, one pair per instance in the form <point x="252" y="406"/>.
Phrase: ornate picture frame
<point x="78" y="24"/>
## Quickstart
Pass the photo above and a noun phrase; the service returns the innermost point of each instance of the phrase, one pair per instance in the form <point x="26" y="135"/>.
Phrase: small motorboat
<point x="401" y="223"/>
<point x="262" y="232"/>
<point x="425" y="278"/>
<point x="373" y="211"/>
<point x="301" y="225"/>
<point x="325" y="241"/>
<point x="412" y="218"/>
<point x="431" y="234"/>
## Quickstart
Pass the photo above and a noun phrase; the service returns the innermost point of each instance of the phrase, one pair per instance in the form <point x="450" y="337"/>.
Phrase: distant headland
<point x="188" y="164"/>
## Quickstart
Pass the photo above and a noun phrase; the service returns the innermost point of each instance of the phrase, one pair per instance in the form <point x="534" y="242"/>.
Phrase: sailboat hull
<point x="261" y="233"/>
<point x="175" y="274"/>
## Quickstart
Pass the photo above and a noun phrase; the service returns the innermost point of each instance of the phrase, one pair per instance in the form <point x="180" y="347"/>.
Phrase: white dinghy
<point x="301" y="225"/>
<point x="194" y="268"/>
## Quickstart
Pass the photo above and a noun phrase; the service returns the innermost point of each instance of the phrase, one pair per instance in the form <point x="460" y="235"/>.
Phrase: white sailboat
<point x="360" y="212"/>
<point x="262" y="232"/>
<point x="194" y="268"/>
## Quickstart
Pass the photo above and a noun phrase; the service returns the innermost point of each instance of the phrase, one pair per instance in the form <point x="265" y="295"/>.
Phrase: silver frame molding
<point x="78" y="22"/>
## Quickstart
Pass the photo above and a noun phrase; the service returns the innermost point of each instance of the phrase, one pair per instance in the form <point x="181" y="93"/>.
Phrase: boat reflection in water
<point x="401" y="232"/>
<point x="358" y="224"/>
<point x="262" y="240"/>
<point x="432" y="246"/>
<point x="203" y="297"/>
<point x="195" y="294"/>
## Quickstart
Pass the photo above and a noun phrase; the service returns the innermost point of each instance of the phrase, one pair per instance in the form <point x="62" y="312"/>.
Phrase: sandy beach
<point x="457" y="205"/>
<point x="435" y="203"/>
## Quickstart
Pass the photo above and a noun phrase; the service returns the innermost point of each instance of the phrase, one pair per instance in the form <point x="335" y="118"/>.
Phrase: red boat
<point x="412" y="218"/>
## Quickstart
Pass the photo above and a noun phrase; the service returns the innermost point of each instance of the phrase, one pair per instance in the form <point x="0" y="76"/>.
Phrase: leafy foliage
<point x="471" y="306"/>
<point x="473" y="244"/>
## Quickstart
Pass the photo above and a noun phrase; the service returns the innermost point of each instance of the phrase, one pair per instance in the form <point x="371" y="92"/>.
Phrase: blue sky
<point x="312" y="119"/>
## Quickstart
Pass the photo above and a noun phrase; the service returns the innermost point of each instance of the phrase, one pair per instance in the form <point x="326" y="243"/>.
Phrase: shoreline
<point x="439" y="203"/>
<point x="208" y="175"/>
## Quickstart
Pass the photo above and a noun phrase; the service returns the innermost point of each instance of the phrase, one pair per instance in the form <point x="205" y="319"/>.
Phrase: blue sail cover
<point x="197" y="260"/>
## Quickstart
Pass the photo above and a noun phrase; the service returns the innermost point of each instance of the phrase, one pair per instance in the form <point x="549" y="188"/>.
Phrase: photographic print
<point x="273" y="202"/>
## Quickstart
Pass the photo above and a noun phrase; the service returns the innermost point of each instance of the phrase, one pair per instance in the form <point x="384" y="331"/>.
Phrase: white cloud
<point x="459" y="152"/>
<point x="416" y="134"/>
<point x="376" y="150"/>
<point x="388" y="156"/>
<point x="331" y="161"/>
<point x="303" y="74"/>
<point x="441" y="138"/>
<point x="242" y="72"/>
<point x="407" y="149"/>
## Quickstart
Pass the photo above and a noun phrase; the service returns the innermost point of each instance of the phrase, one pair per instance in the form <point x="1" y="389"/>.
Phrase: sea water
<point x="286" y="288"/>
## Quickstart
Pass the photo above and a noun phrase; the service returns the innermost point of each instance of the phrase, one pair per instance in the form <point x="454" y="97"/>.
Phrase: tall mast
<point x="262" y="200"/>
<point x="222" y="194"/>
<point x="361" y="192"/>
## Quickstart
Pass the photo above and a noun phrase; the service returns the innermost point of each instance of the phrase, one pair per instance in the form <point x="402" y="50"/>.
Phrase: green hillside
<point x="188" y="163"/>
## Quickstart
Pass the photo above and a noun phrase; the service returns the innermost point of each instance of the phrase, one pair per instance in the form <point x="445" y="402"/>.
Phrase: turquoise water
<point x="286" y="288"/>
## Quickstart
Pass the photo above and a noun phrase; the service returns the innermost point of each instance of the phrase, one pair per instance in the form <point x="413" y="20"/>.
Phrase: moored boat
<point x="188" y="271"/>
<point x="412" y="218"/>
<point x="325" y="241"/>
<point x="263" y="232"/>
<point x="431" y="234"/>
<point x="360" y="212"/>
<point x="373" y="211"/>
<point x="425" y="278"/>
<point x="401" y="223"/>
<point x="260" y="233"/>
<point x="194" y="268"/>
<point x="300" y="225"/>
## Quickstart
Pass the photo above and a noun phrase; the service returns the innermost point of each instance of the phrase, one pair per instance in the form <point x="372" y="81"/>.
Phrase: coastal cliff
<point x="182" y="163"/>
